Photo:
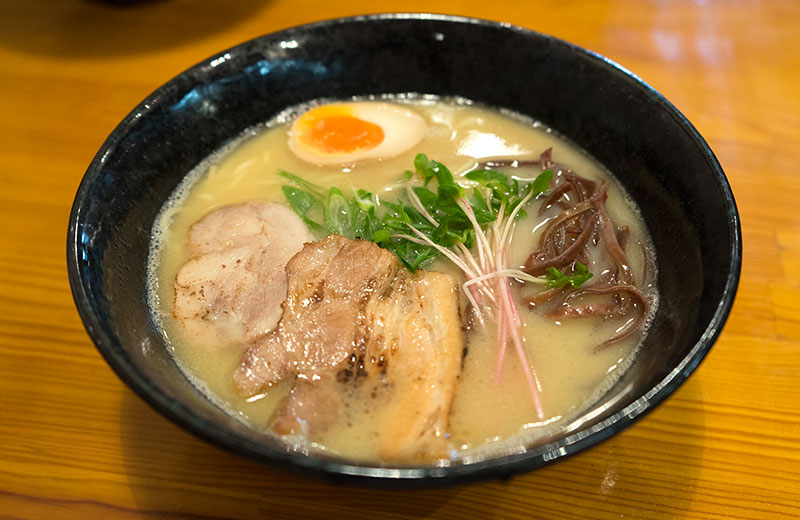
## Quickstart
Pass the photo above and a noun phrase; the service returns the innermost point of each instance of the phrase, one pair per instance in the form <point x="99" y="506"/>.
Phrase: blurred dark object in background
<point x="99" y="28"/>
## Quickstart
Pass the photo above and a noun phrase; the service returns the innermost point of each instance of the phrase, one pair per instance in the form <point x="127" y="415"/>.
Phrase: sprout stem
<point x="418" y="205"/>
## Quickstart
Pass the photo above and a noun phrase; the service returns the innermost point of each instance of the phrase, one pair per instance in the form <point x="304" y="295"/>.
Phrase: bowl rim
<point x="371" y="473"/>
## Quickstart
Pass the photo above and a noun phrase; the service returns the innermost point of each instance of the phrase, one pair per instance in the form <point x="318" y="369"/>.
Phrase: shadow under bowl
<point x="652" y="149"/>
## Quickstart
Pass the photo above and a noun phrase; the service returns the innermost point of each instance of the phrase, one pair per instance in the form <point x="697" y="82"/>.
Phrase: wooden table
<point x="76" y="443"/>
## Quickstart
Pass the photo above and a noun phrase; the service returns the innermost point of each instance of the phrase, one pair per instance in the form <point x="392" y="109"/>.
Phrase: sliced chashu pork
<point x="324" y="318"/>
<point x="353" y="316"/>
<point x="417" y="332"/>
<point x="233" y="286"/>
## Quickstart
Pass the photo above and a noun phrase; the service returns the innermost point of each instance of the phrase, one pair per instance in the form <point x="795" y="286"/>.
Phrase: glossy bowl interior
<point x="631" y="129"/>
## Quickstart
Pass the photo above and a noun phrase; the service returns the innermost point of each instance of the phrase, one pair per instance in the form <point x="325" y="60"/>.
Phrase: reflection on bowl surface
<point x="654" y="152"/>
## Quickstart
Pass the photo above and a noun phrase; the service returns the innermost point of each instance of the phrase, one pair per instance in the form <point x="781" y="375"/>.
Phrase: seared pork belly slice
<point x="231" y="290"/>
<point x="323" y="320"/>
<point x="356" y="325"/>
<point x="310" y="407"/>
<point x="416" y="331"/>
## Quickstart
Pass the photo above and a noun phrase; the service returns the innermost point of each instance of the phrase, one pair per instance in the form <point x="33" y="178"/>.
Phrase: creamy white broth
<point x="571" y="375"/>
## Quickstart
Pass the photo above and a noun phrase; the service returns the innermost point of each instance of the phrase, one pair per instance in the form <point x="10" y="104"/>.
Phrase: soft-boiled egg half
<point x="345" y="133"/>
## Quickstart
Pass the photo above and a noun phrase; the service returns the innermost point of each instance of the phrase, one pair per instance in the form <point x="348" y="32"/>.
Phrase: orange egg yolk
<point x="342" y="134"/>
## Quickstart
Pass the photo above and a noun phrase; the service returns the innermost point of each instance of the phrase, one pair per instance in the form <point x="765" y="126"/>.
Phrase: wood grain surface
<point x="76" y="443"/>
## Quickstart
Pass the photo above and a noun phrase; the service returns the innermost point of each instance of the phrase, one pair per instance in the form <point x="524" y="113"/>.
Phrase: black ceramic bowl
<point x="652" y="149"/>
